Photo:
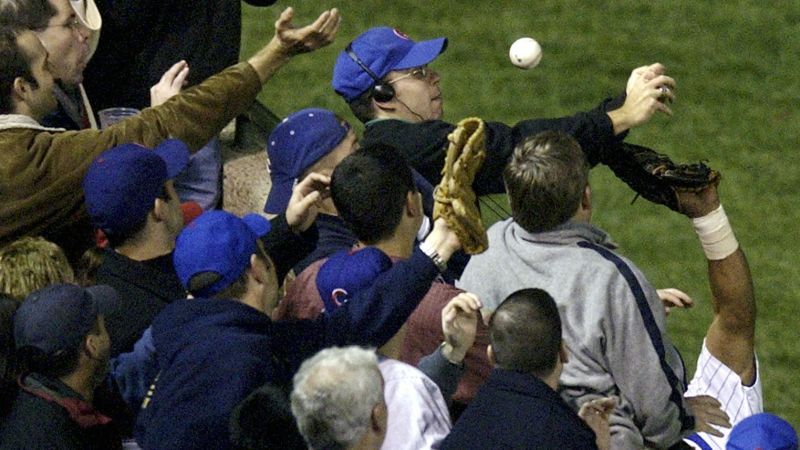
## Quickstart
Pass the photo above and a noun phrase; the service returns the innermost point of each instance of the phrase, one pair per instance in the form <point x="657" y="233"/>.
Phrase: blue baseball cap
<point x="123" y="182"/>
<point x="220" y="243"/>
<point x="60" y="316"/>
<point x="347" y="272"/>
<point x="382" y="49"/>
<point x="296" y="144"/>
<point x="762" y="431"/>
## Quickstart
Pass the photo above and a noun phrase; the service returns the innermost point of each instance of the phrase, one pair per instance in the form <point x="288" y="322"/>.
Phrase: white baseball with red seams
<point x="525" y="53"/>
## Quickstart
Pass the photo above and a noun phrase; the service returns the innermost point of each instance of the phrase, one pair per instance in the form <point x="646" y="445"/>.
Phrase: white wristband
<point x="716" y="235"/>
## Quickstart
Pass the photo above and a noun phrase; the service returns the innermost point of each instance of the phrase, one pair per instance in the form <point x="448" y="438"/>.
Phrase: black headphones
<point x="380" y="91"/>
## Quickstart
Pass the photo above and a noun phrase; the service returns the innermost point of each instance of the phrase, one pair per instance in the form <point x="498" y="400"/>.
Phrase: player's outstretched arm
<point x="731" y="335"/>
<point x="290" y="40"/>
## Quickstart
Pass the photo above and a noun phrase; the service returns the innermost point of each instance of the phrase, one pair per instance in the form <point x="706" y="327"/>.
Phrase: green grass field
<point x="738" y="107"/>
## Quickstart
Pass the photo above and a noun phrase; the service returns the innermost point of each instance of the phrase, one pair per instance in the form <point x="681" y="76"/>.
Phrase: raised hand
<point x="305" y="201"/>
<point x="170" y="83"/>
<point x="320" y="33"/>
<point x="459" y="325"/>
<point x="648" y="91"/>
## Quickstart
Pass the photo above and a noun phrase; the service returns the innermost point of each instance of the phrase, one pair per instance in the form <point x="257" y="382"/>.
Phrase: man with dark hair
<point x="130" y="196"/>
<point x="213" y="350"/>
<point x="373" y="191"/>
<point x="41" y="168"/>
<point x="519" y="406"/>
<point x="62" y="340"/>
<point x="69" y="31"/>
<point x="616" y="331"/>
<point x="384" y="76"/>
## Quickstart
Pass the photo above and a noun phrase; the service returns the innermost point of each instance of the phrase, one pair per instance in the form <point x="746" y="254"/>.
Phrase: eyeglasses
<point x="420" y="73"/>
<point x="73" y="24"/>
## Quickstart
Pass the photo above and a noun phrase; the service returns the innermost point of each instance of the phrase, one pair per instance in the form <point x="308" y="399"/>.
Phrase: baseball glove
<point x="657" y="178"/>
<point x="454" y="199"/>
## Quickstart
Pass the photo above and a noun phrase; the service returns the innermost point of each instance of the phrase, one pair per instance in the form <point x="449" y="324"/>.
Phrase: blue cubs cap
<point x="347" y="272"/>
<point x="123" y="182"/>
<point x="59" y="317"/>
<point x="762" y="431"/>
<point x="296" y="144"/>
<point x="218" y="243"/>
<point x="383" y="50"/>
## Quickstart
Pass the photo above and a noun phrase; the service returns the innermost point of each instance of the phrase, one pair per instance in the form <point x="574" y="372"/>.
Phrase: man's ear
<point x="92" y="344"/>
<point x="490" y="355"/>
<point x="586" y="198"/>
<point x="160" y="209"/>
<point x="379" y="418"/>
<point x="258" y="275"/>
<point x="21" y="88"/>
<point x="563" y="353"/>
<point x="414" y="204"/>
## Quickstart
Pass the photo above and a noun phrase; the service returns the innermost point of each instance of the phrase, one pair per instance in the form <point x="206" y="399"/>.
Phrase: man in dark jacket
<point x="518" y="406"/>
<point x="131" y="197"/>
<point x="383" y="76"/>
<point x="62" y="339"/>
<point x="215" y="349"/>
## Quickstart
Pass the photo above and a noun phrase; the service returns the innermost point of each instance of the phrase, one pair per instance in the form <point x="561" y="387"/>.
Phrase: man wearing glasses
<point x="384" y="76"/>
<point x="69" y="31"/>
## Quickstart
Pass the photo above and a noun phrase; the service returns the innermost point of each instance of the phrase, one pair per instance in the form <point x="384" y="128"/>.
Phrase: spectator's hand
<point x="596" y="414"/>
<point x="707" y="412"/>
<point x="170" y="83"/>
<point x="293" y="40"/>
<point x="698" y="204"/>
<point x="459" y="324"/>
<point x="443" y="239"/>
<point x="674" y="298"/>
<point x="644" y="97"/>
<point x="305" y="201"/>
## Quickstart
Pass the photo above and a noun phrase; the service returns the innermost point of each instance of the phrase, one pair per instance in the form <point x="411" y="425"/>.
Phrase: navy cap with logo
<point x="382" y="49"/>
<point x="123" y="182"/>
<point x="220" y="243"/>
<point x="347" y="272"/>
<point x="60" y="316"/>
<point x="296" y="144"/>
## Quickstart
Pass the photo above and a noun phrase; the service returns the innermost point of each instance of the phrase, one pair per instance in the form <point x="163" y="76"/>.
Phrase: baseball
<point x="525" y="53"/>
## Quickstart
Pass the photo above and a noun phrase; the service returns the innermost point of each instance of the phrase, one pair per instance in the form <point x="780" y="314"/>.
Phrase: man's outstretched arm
<point x="731" y="335"/>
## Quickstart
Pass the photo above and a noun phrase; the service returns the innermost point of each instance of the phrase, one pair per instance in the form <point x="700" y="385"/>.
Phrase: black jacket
<point x="519" y="411"/>
<point x="142" y="39"/>
<point x="48" y="414"/>
<point x="144" y="289"/>
<point x="425" y="143"/>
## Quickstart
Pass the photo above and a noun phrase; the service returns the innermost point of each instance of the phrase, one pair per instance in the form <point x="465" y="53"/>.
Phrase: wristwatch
<point x="433" y="255"/>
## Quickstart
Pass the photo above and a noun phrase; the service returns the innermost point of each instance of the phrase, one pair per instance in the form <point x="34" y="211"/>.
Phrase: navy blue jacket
<point x="212" y="353"/>
<point x="516" y="410"/>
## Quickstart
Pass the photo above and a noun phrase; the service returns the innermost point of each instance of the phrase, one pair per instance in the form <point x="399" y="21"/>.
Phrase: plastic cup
<point x="110" y="116"/>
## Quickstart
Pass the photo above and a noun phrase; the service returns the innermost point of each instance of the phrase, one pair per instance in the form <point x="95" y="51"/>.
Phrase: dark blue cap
<point x="123" y="182"/>
<point x="383" y="50"/>
<point x="296" y="144"/>
<point x="60" y="316"/>
<point x="217" y="242"/>
<point x="347" y="272"/>
<point x="762" y="431"/>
